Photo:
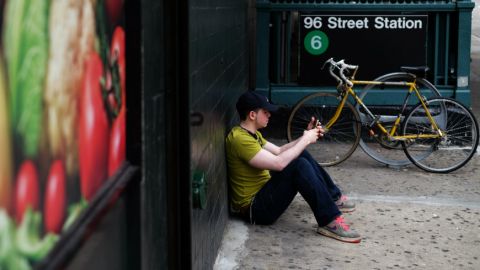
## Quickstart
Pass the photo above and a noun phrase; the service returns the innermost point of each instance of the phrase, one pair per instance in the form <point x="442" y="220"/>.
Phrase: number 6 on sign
<point x="316" y="42"/>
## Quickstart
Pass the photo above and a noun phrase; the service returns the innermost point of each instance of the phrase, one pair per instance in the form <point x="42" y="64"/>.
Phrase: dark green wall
<point x="195" y="58"/>
<point x="165" y="186"/>
<point x="219" y="68"/>
<point x="154" y="197"/>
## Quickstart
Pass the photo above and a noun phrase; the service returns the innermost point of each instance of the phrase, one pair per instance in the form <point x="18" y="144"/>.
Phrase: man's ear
<point x="251" y="115"/>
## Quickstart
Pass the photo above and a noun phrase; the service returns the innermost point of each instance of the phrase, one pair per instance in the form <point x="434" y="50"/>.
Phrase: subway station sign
<point x="377" y="43"/>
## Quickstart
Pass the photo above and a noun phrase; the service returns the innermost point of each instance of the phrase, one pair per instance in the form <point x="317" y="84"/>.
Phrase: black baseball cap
<point x="250" y="101"/>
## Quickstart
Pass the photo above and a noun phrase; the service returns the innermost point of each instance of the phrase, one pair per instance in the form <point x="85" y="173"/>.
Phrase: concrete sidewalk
<point x="409" y="219"/>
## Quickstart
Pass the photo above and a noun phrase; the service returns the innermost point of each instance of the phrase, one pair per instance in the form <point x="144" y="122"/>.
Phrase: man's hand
<point x="312" y="123"/>
<point x="321" y="130"/>
<point x="311" y="135"/>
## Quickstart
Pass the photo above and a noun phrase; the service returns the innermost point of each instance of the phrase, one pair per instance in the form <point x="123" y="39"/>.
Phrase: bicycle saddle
<point x="417" y="71"/>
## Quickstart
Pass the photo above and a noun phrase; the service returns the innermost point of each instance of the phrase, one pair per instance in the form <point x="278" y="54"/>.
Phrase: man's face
<point x="261" y="118"/>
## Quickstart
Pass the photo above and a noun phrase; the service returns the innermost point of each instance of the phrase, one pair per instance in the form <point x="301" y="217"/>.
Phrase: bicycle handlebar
<point x="341" y="66"/>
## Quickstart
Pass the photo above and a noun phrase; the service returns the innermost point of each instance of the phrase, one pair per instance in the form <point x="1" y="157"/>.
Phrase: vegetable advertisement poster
<point x="62" y="117"/>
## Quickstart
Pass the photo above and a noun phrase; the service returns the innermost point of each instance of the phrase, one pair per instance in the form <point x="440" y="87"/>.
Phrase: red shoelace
<point x="341" y="222"/>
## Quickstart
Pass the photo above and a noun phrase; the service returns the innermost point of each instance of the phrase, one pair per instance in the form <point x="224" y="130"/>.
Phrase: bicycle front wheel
<point x="376" y="144"/>
<point x="454" y="148"/>
<point x="342" y="137"/>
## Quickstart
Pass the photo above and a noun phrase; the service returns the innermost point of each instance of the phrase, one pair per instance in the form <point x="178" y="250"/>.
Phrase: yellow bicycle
<point x="435" y="133"/>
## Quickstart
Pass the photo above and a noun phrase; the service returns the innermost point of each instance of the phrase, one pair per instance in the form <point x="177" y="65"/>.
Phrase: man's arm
<point x="273" y="158"/>
<point x="277" y="150"/>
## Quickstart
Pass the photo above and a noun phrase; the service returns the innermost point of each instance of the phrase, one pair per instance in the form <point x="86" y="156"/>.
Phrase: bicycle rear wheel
<point x="451" y="151"/>
<point x="374" y="142"/>
<point x="342" y="137"/>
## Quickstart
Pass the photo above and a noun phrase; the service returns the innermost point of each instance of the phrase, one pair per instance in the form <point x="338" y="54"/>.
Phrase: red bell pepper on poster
<point x="26" y="189"/>
<point x="117" y="62"/>
<point x="55" y="198"/>
<point x="117" y="150"/>
<point x="117" y="143"/>
<point x="93" y="129"/>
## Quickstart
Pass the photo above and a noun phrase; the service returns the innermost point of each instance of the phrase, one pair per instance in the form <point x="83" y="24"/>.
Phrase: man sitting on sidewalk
<point x="264" y="178"/>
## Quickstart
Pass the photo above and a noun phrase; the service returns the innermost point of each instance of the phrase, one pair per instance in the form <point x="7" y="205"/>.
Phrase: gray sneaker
<point x="340" y="231"/>
<point x="345" y="205"/>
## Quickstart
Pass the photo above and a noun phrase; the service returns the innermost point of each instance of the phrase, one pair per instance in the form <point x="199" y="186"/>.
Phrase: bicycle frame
<point x="348" y="90"/>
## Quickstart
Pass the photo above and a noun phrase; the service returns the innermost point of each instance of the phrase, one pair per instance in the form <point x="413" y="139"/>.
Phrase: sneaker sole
<point x="338" y="237"/>
<point x="346" y="210"/>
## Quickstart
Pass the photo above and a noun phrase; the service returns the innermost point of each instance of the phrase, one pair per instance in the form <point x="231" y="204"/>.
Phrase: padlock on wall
<point x="199" y="190"/>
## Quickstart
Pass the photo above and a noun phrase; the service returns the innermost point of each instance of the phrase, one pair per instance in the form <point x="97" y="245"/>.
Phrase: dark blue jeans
<point x="302" y="175"/>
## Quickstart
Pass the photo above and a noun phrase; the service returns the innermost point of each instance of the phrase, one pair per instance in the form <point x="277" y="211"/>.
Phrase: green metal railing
<point x="448" y="42"/>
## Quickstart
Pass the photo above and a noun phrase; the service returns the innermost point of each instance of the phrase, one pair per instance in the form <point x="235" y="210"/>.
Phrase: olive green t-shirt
<point x="245" y="180"/>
